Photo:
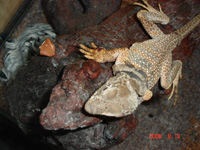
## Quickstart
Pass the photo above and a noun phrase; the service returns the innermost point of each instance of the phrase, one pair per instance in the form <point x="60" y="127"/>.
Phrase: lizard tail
<point x="186" y="29"/>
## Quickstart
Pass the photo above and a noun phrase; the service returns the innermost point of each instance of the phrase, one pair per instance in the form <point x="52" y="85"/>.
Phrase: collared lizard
<point x="150" y="61"/>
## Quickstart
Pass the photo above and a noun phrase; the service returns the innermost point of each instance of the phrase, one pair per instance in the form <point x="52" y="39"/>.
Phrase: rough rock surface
<point x="79" y="80"/>
<point x="31" y="90"/>
<point x="69" y="16"/>
<point x="102" y="135"/>
<point x="121" y="29"/>
<point x="66" y="107"/>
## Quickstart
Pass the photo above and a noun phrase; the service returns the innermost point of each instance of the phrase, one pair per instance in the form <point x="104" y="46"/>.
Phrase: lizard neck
<point x="138" y="80"/>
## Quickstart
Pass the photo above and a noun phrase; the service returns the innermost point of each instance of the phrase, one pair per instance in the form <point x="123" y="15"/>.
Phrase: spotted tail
<point x="186" y="29"/>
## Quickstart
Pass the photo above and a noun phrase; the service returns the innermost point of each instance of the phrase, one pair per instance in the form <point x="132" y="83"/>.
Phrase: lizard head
<point x="118" y="97"/>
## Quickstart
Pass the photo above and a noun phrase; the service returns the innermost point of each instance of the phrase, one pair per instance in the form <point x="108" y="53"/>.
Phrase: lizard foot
<point x="175" y="87"/>
<point x="154" y="11"/>
<point x="95" y="53"/>
<point x="148" y="7"/>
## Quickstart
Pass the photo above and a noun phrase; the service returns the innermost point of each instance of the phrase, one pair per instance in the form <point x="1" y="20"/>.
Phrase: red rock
<point x="99" y="136"/>
<point x="80" y="81"/>
<point x="123" y="29"/>
<point x="119" y="30"/>
<point x="65" y="109"/>
<point x="120" y="129"/>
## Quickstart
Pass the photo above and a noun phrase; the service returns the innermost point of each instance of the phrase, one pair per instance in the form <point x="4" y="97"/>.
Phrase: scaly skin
<point x="154" y="56"/>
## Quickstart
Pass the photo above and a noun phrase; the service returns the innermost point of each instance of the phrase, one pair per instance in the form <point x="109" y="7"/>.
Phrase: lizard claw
<point x="140" y="5"/>
<point x="95" y="53"/>
<point x="175" y="87"/>
<point x="93" y="45"/>
<point x="159" y="6"/>
<point x="148" y="7"/>
<point x="145" y="2"/>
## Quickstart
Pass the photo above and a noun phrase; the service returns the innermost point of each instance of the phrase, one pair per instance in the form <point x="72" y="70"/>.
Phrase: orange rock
<point x="47" y="48"/>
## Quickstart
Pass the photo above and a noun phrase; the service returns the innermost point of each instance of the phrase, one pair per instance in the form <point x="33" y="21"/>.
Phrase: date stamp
<point x="169" y="136"/>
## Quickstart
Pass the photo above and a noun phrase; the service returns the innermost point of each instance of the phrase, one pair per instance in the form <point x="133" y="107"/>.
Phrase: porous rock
<point x="29" y="93"/>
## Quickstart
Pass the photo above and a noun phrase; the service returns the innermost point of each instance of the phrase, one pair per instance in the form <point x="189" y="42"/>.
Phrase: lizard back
<point x="148" y="55"/>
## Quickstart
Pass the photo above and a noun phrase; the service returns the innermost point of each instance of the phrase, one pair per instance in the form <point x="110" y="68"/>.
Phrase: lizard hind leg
<point x="150" y="16"/>
<point x="153" y="14"/>
<point x="170" y="75"/>
<point x="176" y="71"/>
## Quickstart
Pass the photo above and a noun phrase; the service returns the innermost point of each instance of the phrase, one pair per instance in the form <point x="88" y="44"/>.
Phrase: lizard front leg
<point x="102" y="55"/>
<point x="170" y="74"/>
<point x="149" y="17"/>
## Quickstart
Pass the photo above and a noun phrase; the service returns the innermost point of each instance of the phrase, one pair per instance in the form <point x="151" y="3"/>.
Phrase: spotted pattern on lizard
<point x="150" y="61"/>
